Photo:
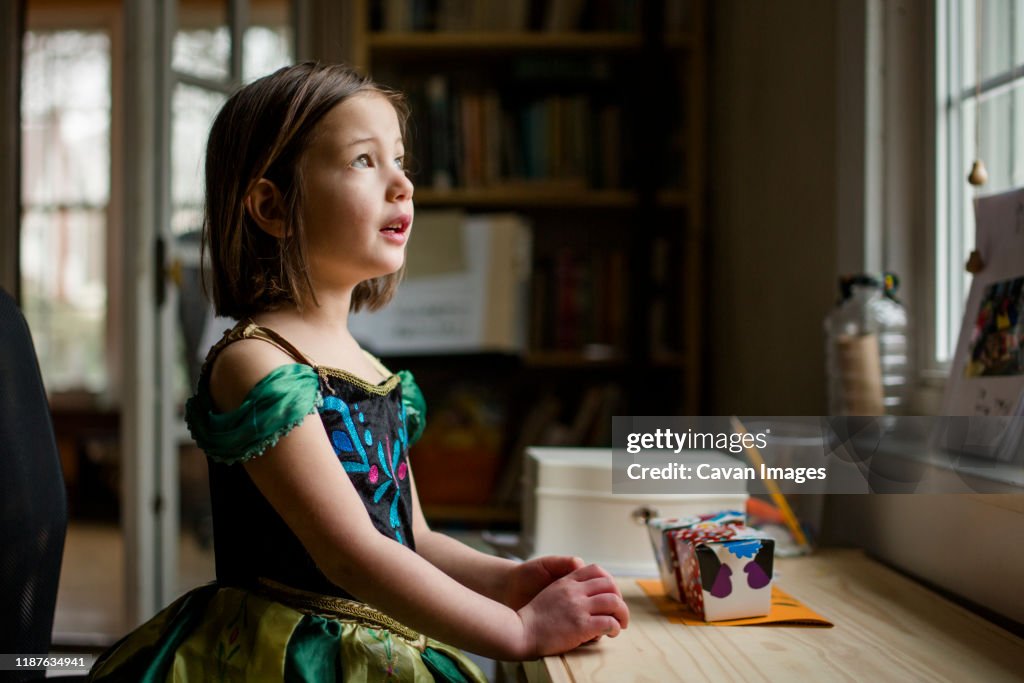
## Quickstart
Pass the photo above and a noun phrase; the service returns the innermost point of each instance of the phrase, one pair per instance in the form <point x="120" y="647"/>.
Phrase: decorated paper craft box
<point x="723" y="572"/>
<point x="658" y="529"/>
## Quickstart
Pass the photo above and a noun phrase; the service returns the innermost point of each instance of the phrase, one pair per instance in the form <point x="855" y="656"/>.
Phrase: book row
<point x="508" y="16"/>
<point x="475" y="138"/>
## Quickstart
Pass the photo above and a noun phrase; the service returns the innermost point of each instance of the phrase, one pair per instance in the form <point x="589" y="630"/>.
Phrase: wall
<point x="772" y="206"/>
<point x="11" y="19"/>
<point x="971" y="545"/>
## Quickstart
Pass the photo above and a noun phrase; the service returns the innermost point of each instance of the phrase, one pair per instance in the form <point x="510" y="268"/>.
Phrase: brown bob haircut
<point x="262" y="132"/>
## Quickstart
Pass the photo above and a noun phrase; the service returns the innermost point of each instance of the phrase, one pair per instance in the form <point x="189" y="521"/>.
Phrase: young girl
<point x="326" y="568"/>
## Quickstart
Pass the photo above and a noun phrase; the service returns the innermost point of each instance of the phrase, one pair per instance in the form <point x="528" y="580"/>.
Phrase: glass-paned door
<point x="69" y="286"/>
<point x="119" y="333"/>
<point x="216" y="47"/>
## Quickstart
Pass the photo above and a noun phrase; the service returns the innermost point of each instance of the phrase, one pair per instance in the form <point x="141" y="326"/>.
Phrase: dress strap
<point x="254" y="331"/>
<point x="248" y="329"/>
<point x="378" y="366"/>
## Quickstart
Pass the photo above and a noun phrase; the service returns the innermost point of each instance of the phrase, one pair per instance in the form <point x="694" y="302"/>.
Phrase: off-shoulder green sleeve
<point x="276" y="405"/>
<point x="415" y="406"/>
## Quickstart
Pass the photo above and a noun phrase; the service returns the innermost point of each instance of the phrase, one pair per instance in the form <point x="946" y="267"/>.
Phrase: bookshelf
<point x="538" y="195"/>
<point x="586" y="117"/>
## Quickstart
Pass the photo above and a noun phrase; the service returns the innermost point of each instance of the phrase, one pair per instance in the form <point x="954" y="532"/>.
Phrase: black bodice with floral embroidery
<point x="366" y="425"/>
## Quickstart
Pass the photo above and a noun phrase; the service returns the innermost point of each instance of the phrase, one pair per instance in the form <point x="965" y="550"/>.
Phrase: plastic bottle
<point x="866" y="348"/>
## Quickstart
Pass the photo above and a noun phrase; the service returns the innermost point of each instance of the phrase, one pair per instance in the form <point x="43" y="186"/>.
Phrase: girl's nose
<point x="401" y="187"/>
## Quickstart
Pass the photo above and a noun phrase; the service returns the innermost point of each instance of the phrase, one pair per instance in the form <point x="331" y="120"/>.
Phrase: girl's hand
<point x="526" y="579"/>
<point x="579" y="607"/>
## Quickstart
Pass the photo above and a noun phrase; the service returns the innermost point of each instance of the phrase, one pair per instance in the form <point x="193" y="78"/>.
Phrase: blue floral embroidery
<point x="342" y="442"/>
<point x="383" y="460"/>
<point x="348" y="443"/>
<point x="403" y="431"/>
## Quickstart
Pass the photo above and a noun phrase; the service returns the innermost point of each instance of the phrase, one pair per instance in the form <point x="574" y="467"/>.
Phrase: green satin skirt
<point x="276" y="633"/>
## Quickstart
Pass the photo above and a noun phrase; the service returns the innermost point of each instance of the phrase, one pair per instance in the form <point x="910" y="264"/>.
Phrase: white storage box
<point x="569" y="508"/>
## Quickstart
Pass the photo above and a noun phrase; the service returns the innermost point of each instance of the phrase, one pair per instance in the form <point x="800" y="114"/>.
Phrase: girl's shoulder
<point x="250" y="394"/>
<point x="255" y="387"/>
<point x="245" y="355"/>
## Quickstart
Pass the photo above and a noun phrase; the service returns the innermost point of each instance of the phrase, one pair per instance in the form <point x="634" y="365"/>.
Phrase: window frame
<point x="949" y="247"/>
<point x="106" y="17"/>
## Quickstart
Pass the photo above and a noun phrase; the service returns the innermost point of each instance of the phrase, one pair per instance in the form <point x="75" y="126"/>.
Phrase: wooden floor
<point x="90" y="601"/>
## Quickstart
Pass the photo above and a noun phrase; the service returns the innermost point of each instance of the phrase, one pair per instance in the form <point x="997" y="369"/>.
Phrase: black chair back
<point x="33" y="503"/>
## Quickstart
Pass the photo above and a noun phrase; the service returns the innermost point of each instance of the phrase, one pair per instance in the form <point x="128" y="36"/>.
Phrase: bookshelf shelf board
<point x="575" y="359"/>
<point x="668" y="359"/>
<point x="674" y="199"/>
<point x="497" y="41"/>
<point x="679" y="41"/>
<point x="526" y="197"/>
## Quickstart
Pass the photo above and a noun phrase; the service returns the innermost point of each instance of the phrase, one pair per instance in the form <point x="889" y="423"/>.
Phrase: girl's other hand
<point x="526" y="579"/>
<point x="577" y="608"/>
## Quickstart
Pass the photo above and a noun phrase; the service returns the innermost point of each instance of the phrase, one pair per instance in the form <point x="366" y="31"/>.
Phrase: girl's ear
<point x="265" y="205"/>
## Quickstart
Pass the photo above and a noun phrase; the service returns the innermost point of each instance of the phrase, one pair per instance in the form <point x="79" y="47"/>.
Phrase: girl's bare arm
<point x="511" y="583"/>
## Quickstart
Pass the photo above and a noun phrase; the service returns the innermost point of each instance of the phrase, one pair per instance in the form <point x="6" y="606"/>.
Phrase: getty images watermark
<point x="818" y="454"/>
<point x="664" y="440"/>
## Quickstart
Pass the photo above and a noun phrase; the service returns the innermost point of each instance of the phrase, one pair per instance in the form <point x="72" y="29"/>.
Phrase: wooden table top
<point x="887" y="628"/>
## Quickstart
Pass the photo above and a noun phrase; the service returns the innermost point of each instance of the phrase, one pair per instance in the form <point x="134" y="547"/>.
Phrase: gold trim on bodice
<point x="382" y="389"/>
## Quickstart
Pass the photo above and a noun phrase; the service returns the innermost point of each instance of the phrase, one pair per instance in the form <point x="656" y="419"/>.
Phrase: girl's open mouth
<point x="397" y="228"/>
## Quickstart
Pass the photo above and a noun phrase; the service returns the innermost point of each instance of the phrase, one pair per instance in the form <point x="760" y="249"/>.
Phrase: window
<point x="201" y="68"/>
<point x="70" y="281"/>
<point x="980" y="89"/>
<point x="65" y="196"/>
<point x="201" y="55"/>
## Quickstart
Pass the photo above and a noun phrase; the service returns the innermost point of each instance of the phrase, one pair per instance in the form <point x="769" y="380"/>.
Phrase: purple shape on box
<point x="723" y="583"/>
<point x="756" y="578"/>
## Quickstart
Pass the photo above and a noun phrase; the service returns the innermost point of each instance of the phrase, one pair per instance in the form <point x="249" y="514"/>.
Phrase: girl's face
<point x="358" y="200"/>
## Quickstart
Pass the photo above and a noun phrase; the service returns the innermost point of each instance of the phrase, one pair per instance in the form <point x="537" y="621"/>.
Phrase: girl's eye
<point x="361" y="161"/>
<point x="400" y="163"/>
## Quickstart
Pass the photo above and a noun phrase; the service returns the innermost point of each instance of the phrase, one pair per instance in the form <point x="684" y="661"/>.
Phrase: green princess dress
<point x="272" y="615"/>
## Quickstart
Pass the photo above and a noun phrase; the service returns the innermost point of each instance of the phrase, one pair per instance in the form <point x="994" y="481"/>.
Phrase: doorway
<point x="78" y="101"/>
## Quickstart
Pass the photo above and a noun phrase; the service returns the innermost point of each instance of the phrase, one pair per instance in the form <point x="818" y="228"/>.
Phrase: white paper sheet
<point x="987" y="377"/>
